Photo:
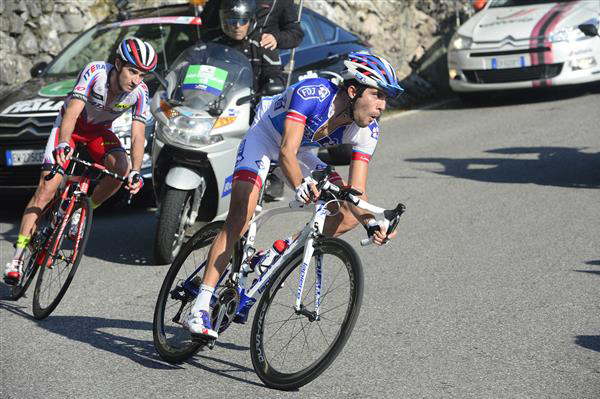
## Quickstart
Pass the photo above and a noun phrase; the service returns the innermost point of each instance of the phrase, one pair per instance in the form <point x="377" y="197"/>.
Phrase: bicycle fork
<point x="309" y="250"/>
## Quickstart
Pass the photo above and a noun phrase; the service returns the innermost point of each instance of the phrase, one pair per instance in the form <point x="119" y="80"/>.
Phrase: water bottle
<point x="60" y="213"/>
<point x="264" y="259"/>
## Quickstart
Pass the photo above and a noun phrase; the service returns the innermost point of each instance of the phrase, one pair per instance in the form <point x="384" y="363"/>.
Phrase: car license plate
<point x="24" y="157"/>
<point x="510" y="62"/>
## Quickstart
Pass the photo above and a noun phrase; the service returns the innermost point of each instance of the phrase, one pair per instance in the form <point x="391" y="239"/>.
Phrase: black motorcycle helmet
<point x="237" y="10"/>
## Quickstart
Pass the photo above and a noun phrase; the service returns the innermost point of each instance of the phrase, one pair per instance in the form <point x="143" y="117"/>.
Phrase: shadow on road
<point x="589" y="341"/>
<point x="102" y="333"/>
<point x="552" y="166"/>
<point x="593" y="263"/>
<point x="123" y="235"/>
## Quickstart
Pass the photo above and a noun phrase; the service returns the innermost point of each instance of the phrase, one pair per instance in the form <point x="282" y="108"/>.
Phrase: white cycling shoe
<point x="13" y="271"/>
<point x="199" y="325"/>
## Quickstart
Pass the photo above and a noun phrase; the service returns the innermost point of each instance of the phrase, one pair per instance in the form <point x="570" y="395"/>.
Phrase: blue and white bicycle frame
<point x="306" y="238"/>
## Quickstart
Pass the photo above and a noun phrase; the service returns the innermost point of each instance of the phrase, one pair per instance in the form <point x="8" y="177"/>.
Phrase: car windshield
<point x="209" y="71"/>
<point x="100" y="44"/>
<point x="516" y="3"/>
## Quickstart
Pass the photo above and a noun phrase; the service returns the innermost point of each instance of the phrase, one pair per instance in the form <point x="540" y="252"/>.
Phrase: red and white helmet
<point x="139" y="53"/>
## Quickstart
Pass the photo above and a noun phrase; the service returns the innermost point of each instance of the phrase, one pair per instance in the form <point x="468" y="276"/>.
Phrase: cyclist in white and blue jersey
<point x="313" y="112"/>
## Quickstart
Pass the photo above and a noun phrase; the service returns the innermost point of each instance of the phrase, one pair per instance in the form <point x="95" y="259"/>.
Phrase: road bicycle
<point x="58" y="244"/>
<point x="310" y="297"/>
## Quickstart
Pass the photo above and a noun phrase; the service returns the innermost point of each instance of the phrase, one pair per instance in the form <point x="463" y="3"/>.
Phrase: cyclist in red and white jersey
<point x="102" y="93"/>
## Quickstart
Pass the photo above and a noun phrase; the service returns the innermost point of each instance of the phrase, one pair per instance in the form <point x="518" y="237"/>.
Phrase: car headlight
<point x="192" y="131"/>
<point x="568" y="34"/>
<point x="460" y="42"/>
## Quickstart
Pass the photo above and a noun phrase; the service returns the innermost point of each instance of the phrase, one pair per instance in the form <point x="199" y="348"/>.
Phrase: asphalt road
<point x="492" y="289"/>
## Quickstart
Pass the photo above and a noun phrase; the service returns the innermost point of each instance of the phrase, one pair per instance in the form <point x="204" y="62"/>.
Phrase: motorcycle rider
<point x="276" y="27"/>
<point x="311" y="112"/>
<point x="238" y="30"/>
<point x="277" y="22"/>
<point x="102" y="93"/>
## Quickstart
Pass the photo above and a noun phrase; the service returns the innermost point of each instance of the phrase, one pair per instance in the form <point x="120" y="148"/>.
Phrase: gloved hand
<point x="62" y="153"/>
<point x="135" y="182"/>
<point x="307" y="191"/>
<point x="378" y="232"/>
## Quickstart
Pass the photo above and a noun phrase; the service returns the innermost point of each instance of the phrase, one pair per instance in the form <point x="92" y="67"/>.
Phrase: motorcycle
<point x="201" y="115"/>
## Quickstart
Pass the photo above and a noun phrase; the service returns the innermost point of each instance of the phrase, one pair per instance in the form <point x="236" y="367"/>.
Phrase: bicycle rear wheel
<point x="289" y="350"/>
<point x="174" y="302"/>
<point x="63" y="255"/>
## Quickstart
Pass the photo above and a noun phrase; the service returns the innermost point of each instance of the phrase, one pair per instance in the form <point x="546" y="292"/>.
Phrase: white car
<point x="517" y="44"/>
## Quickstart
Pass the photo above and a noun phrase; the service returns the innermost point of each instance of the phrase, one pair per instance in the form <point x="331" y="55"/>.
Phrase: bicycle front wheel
<point x="31" y="266"/>
<point x="177" y="296"/>
<point x="289" y="349"/>
<point x="63" y="254"/>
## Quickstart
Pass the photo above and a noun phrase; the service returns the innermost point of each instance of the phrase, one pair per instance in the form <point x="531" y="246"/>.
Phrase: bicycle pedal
<point x="202" y="339"/>
<point x="10" y="281"/>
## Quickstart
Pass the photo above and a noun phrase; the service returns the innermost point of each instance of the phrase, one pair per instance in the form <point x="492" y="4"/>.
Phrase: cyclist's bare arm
<point x="357" y="179"/>
<point x="290" y="144"/>
<point x="69" y="119"/>
<point x="67" y="126"/>
<point x="137" y="144"/>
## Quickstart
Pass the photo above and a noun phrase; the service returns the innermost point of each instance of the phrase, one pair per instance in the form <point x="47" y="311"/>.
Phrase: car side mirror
<point x="589" y="29"/>
<point x="38" y="69"/>
<point x="272" y="88"/>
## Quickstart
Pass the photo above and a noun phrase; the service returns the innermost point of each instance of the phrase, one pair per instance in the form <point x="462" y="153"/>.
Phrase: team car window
<point x="100" y="44"/>
<point x="516" y="3"/>
<point x="327" y="29"/>
<point x="310" y="35"/>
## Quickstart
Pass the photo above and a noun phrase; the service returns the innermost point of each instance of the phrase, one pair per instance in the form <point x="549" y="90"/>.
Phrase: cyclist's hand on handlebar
<point x="307" y="191"/>
<point x="135" y="182"/>
<point x="62" y="153"/>
<point x="377" y="231"/>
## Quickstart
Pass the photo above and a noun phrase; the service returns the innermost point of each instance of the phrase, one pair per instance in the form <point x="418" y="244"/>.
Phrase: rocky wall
<point x="402" y="30"/>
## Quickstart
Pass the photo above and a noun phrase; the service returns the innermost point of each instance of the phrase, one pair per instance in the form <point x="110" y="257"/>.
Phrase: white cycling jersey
<point x="92" y="87"/>
<point x="310" y="102"/>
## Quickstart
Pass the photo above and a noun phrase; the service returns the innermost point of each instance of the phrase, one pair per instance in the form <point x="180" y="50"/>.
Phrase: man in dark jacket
<point x="238" y="21"/>
<point x="269" y="24"/>
<point x="277" y="22"/>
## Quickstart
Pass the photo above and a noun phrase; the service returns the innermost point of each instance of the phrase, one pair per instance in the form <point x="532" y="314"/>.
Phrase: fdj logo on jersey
<point x="319" y="92"/>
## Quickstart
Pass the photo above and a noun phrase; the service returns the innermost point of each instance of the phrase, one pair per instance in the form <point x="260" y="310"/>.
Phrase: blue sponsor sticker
<point x="227" y="186"/>
<point x="522" y="61"/>
<point x="240" y="154"/>
<point x="494" y="63"/>
<point x="375" y="133"/>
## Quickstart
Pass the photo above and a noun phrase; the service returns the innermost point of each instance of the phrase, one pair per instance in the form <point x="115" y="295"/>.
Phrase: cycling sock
<point x="22" y="242"/>
<point x="203" y="300"/>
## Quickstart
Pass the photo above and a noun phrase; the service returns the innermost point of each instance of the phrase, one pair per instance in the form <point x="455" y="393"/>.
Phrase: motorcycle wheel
<point x="172" y="222"/>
